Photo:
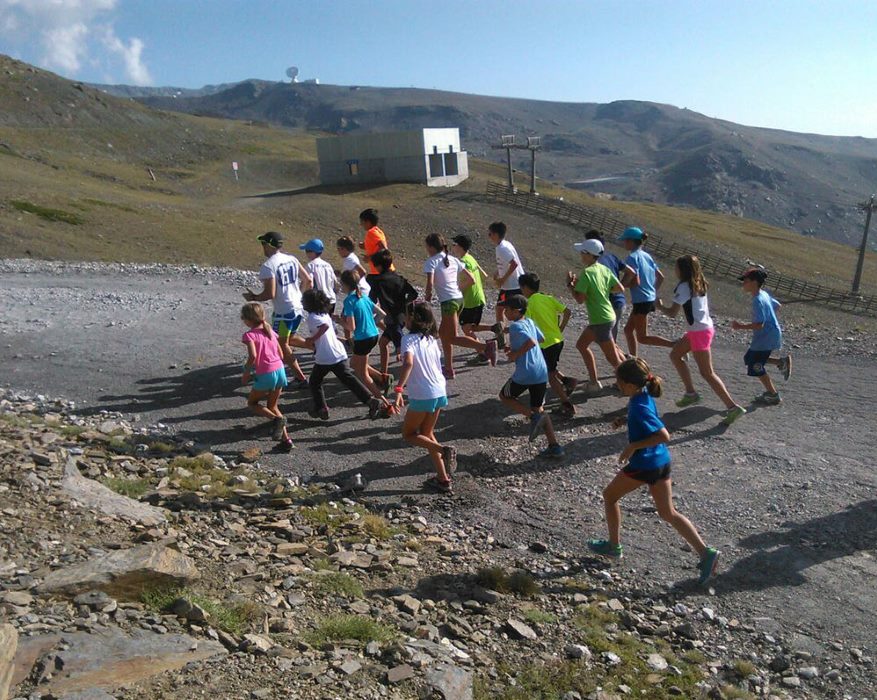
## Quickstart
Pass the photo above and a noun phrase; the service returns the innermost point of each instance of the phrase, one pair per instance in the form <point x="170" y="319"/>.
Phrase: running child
<point x="473" y="296"/>
<point x="350" y="261"/>
<point x="592" y="287"/>
<point x="643" y="279"/>
<point x="551" y="317"/>
<point x="508" y="265"/>
<point x="767" y="336"/>
<point x="443" y="275"/>
<point x="265" y="361"/>
<point x="329" y="356"/>
<point x="422" y="375"/>
<point x="647" y="462"/>
<point x="375" y="239"/>
<point x="393" y="293"/>
<point x="618" y="268"/>
<point x="358" y="317"/>
<point x="530" y="375"/>
<point x="321" y="271"/>
<point x="690" y="296"/>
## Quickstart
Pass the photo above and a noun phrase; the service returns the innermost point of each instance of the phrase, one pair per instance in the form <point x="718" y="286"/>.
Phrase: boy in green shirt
<point x="473" y="297"/>
<point x="550" y="317"/>
<point x="592" y="288"/>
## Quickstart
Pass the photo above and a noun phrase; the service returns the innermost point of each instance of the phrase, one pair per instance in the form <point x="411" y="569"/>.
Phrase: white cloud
<point x="72" y="33"/>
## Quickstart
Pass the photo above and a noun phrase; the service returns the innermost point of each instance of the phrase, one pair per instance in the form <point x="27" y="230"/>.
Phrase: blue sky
<point x="802" y="65"/>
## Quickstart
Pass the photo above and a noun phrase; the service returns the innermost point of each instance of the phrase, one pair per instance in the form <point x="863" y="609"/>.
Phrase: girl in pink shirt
<point x="265" y="361"/>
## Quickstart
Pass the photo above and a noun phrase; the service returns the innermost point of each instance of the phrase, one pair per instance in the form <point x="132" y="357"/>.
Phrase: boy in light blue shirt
<point x="767" y="336"/>
<point x="530" y="375"/>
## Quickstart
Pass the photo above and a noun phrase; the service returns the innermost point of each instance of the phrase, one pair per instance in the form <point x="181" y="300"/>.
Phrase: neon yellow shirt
<point x="545" y="310"/>
<point x="473" y="296"/>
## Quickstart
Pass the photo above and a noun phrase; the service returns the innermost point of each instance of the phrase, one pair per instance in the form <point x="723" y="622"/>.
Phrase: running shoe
<point x="277" y="427"/>
<point x="449" y="457"/>
<point x="707" y="566"/>
<point x="300" y="384"/>
<point x="569" y="385"/>
<point x="768" y="399"/>
<point x="449" y="374"/>
<point x="433" y="484"/>
<point x="786" y="367"/>
<point x="490" y="352"/>
<point x="499" y="331"/>
<point x="477" y="360"/>
<point x="537" y="420"/>
<point x="374" y="407"/>
<point x="286" y="443"/>
<point x="593" y="388"/>
<point x="606" y="548"/>
<point x="732" y="414"/>
<point x="553" y="452"/>
<point x="565" y="410"/>
<point x="321" y="413"/>
<point x="688" y="400"/>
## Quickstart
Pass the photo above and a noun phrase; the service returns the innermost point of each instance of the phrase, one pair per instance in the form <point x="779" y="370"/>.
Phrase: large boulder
<point x="8" y="645"/>
<point x="87" y="663"/>
<point x="94" y="495"/>
<point x="124" y="574"/>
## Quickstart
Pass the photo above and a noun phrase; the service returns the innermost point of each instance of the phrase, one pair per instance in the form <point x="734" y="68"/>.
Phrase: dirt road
<point x="789" y="493"/>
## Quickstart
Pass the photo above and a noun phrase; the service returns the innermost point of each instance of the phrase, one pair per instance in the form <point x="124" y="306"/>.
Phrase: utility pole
<point x="867" y="207"/>
<point x="533" y="144"/>
<point x="507" y="142"/>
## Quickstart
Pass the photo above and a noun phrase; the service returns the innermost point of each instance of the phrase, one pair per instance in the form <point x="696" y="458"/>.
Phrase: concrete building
<point x="429" y="156"/>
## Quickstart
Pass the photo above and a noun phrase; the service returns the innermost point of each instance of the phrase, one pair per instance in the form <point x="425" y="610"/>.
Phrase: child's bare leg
<point x="631" y="332"/>
<point x="647" y="339"/>
<point x="427" y="429"/>
<point x="610" y="352"/>
<point x="384" y="347"/>
<point x="360" y="369"/>
<point x="619" y="487"/>
<point x="555" y="380"/>
<point x="662" y="495"/>
<point x="271" y="403"/>
<point x="289" y="358"/>
<point x="255" y="407"/>
<point x="768" y="383"/>
<point x="705" y="365"/>
<point x="447" y="334"/>
<point x="516" y="406"/>
<point x="412" y="428"/>
<point x="677" y="357"/>
<point x="549" y="428"/>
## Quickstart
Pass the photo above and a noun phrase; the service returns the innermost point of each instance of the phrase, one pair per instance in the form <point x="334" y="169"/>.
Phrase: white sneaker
<point x="592" y="388"/>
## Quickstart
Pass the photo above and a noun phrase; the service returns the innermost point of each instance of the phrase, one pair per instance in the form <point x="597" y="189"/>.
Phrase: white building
<point x="429" y="156"/>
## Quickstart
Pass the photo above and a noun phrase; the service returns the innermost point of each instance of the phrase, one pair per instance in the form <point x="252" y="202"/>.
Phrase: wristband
<point x="398" y="388"/>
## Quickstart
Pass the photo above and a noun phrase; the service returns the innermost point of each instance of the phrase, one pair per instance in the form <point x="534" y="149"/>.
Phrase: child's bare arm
<point x="567" y="314"/>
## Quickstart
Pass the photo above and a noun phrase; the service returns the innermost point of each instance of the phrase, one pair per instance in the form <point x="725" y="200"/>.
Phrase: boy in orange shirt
<point x="375" y="239"/>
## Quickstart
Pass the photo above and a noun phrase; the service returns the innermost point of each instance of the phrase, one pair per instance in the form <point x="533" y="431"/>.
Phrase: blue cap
<point x="631" y="234"/>
<point x="315" y="245"/>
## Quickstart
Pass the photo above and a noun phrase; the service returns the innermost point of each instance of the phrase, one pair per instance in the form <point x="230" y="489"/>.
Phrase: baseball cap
<point x="315" y="245"/>
<point x="463" y="241"/>
<point x="518" y="302"/>
<point x="591" y="246"/>
<point x="754" y="273"/>
<point x="272" y="238"/>
<point x="631" y="233"/>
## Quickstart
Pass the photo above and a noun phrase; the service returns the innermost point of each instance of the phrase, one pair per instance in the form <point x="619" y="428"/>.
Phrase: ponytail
<point x="637" y="372"/>
<point x="447" y="258"/>
<point x="350" y="279"/>
<point x="437" y="242"/>
<point x="254" y="313"/>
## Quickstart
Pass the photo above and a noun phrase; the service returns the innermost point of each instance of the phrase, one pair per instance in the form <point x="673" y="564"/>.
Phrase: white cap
<point x="591" y="246"/>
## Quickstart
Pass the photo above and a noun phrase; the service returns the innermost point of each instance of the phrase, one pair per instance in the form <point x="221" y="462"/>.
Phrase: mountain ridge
<point x="630" y="149"/>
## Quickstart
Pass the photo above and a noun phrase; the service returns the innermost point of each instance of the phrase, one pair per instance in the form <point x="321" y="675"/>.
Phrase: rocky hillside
<point x="135" y="566"/>
<point x="635" y="150"/>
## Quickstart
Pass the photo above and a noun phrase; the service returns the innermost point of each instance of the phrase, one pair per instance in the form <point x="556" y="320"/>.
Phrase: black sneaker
<point x="374" y="407"/>
<point x="785" y="367"/>
<point x="321" y="413"/>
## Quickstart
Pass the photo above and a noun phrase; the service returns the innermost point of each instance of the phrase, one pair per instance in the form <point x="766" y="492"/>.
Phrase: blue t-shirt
<point x="613" y="262"/>
<point x="530" y="368"/>
<point x="769" y="337"/>
<point x="643" y="421"/>
<point x="363" y="311"/>
<point x="641" y="263"/>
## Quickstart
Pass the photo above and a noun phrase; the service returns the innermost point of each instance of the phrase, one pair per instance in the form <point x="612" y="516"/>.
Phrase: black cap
<point x="272" y="238"/>
<point x="754" y="273"/>
<point x="518" y="302"/>
<point x="463" y="241"/>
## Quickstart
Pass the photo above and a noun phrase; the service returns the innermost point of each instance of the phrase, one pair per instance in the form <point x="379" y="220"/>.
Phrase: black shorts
<point x="506" y="293"/>
<point x="513" y="390"/>
<point x="393" y="332"/>
<point x="471" y="316"/>
<point x="365" y="346"/>
<point x="648" y="476"/>
<point x="552" y="355"/>
<point x="643" y="308"/>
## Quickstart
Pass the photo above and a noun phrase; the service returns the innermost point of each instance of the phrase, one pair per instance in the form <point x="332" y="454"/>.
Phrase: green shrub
<point x="539" y="616"/>
<point x="337" y="628"/>
<point x="47" y="213"/>
<point x="132" y="488"/>
<point x="232" y="617"/>
<point x="338" y="584"/>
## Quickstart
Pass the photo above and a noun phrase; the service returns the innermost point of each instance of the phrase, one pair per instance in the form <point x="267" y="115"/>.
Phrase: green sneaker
<point x="732" y="414"/>
<point x="707" y="566"/>
<point x="688" y="400"/>
<point x="785" y="367"/>
<point x="768" y="399"/>
<point x="606" y="548"/>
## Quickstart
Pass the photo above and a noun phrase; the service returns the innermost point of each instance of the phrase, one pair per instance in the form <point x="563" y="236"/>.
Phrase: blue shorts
<point x="754" y="361"/>
<point x="427" y="405"/>
<point x="285" y="325"/>
<point x="270" y="380"/>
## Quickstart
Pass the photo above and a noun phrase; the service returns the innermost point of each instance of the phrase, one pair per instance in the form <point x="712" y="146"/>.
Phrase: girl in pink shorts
<point x="690" y="296"/>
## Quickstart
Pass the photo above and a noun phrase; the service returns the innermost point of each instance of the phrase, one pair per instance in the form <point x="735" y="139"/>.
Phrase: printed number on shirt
<point x="284" y="276"/>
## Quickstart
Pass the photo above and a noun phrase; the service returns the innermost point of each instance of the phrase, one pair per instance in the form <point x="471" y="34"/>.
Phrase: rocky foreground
<point x="136" y="566"/>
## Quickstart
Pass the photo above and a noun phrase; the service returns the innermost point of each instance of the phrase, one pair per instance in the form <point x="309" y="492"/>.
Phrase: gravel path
<point x="789" y="493"/>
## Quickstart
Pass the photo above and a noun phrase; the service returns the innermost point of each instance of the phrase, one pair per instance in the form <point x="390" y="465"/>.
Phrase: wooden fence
<point x="788" y="289"/>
